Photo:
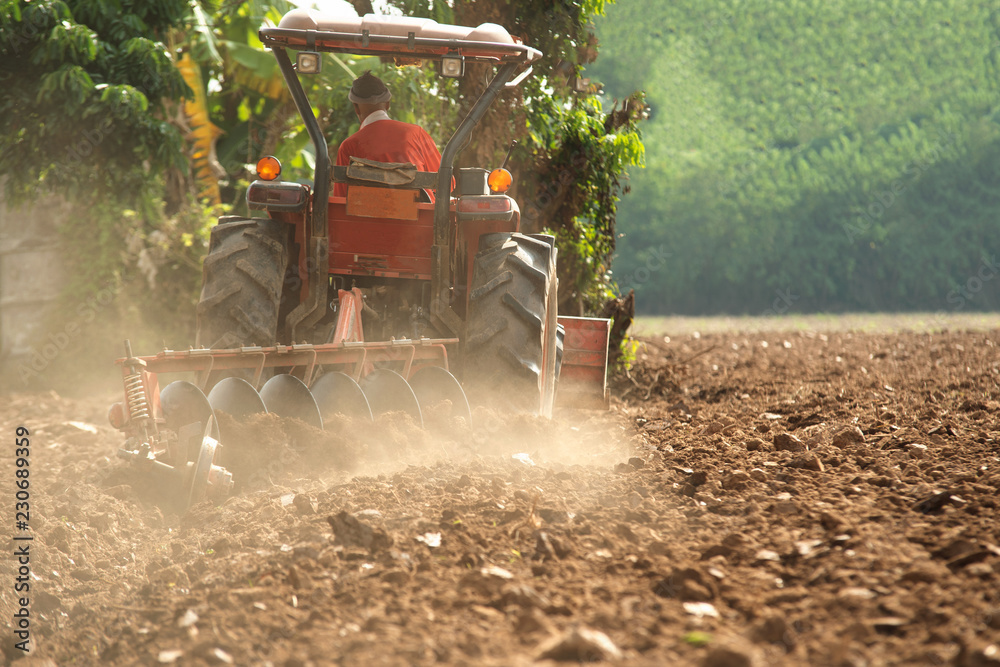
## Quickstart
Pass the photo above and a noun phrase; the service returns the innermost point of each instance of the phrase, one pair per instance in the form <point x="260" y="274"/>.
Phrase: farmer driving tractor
<point x="382" y="139"/>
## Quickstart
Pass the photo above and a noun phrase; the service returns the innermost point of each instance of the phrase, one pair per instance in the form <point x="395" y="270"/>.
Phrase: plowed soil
<point x="765" y="499"/>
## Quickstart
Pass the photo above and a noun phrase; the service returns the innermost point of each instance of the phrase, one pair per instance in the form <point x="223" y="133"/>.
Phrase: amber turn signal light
<point x="499" y="180"/>
<point x="268" y="168"/>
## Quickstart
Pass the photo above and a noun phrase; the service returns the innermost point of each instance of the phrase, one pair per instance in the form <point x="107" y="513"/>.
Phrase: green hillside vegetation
<point x="810" y="155"/>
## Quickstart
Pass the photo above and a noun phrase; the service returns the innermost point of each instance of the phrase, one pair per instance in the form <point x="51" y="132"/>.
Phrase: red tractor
<point x="366" y="304"/>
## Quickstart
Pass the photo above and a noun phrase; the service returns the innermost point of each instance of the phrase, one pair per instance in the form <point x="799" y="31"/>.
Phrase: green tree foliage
<point x="83" y="82"/>
<point x="809" y="155"/>
<point x="242" y="87"/>
<point x="89" y="90"/>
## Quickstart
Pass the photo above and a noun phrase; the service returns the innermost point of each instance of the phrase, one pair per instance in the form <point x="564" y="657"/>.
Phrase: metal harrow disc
<point x="184" y="404"/>
<point x="288" y="396"/>
<point x="201" y="470"/>
<point x="236" y="397"/>
<point x="432" y="385"/>
<point x="387" y="391"/>
<point x="338" y="393"/>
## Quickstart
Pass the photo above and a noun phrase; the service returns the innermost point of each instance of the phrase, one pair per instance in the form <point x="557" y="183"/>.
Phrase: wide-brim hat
<point x="369" y="89"/>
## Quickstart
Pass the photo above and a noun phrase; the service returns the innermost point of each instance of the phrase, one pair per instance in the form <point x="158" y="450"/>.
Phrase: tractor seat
<point x="402" y="175"/>
<point x="395" y="175"/>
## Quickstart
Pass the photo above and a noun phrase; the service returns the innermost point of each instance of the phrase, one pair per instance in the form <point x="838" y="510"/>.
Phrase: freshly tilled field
<point x="764" y="499"/>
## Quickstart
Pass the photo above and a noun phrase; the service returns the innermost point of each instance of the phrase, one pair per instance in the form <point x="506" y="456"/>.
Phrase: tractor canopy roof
<point x="395" y="36"/>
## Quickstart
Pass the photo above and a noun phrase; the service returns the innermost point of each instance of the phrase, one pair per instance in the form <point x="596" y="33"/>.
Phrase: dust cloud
<point x="266" y="449"/>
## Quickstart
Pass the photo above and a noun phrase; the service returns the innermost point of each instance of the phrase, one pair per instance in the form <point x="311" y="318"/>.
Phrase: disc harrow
<point x="175" y="433"/>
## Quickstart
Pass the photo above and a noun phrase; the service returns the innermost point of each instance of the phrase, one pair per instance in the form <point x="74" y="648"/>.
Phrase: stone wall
<point x="31" y="278"/>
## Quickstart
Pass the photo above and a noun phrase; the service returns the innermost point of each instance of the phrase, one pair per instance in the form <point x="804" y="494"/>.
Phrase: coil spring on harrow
<point x="135" y="395"/>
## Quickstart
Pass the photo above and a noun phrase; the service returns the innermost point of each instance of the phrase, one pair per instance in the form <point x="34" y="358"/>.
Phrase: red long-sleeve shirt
<point x="388" y="140"/>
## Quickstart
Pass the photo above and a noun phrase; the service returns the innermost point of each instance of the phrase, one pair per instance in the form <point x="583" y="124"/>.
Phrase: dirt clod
<point x="352" y="532"/>
<point x="580" y="644"/>
<point x="733" y="654"/>
<point x="849" y="436"/>
<point x="786" y="442"/>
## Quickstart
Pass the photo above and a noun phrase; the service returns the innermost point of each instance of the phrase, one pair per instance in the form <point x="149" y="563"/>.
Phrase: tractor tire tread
<point x="535" y="274"/>
<point x="275" y="245"/>
<point x="522" y="311"/>
<point x="518" y="363"/>
<point x="484" y="333"/>
<point x="209" y="302"/>
<point x="241" y="287"/>
<point x="225" y="254"/>
<point x="510" y="338"/>
<point x="502" y="279"/>
<point x="265" y="283"/>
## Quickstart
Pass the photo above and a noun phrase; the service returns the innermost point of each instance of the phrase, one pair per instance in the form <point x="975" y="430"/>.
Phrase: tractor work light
<point x="500" y="180"/>
<point x="308" y="62"/>
<point x="268" y="168"/>
<point x="453" y="66"/>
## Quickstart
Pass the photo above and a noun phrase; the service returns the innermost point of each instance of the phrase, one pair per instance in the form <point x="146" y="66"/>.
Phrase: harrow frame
<point x="349" y="357"/>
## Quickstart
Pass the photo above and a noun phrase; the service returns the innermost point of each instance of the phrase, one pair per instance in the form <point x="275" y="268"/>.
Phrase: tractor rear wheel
<point x="241" y="286"/>
<point x="510" y="350"/>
